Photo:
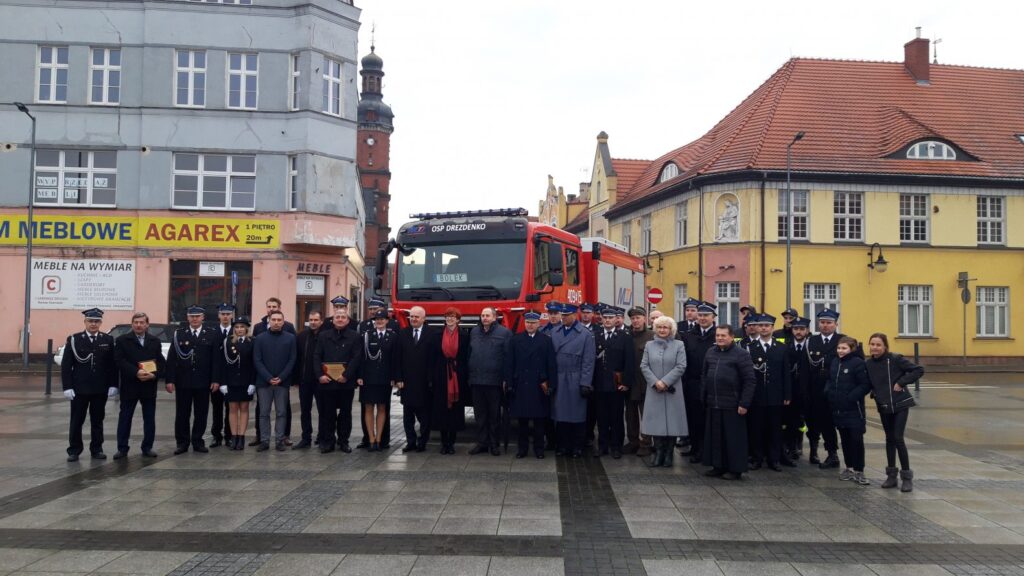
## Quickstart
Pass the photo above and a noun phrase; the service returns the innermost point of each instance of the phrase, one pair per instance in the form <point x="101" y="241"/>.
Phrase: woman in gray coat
<point x="663" y="365"/>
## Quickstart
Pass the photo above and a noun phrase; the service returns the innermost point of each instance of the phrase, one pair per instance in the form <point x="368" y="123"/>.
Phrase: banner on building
<point x="140" y="231"/>
<point x="59" y="284"/>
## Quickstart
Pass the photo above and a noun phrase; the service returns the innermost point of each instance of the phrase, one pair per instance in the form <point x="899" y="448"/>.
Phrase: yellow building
<point x="889" y="161"/>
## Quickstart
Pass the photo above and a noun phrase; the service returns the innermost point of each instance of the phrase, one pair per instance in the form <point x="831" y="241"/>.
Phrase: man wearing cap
<point x="613" y="376"/>
<point x="189" y="375"/>
<point x="335" y="344"/>
<point x="772" y="370"/>
<point x="373" y="306"/>
<point x="554" y="310"/>
<point x="488" y="346"/>
<point x="794" y="415"/>
<point x="821" y="350"/>
<point x="418" y="347"/>
<point x="635" y="442"/>
<point x="140" y="364"/>
<point x="587" y="317"/>
<point x="88" y="376"/>
<point x="221" y="428"/>
<point x="306" y="373"/>
<point x="530" y="374"/>
<point x="689" y="321"/>
<point x="728" y="391"/>
<point x="696" y="345"/>
<point x="339" y="302"/>
<point x="574" y="357"/>
<point x="746" y="311"/>
<point x="786" y="332"/>
<point x="620" y="320"/>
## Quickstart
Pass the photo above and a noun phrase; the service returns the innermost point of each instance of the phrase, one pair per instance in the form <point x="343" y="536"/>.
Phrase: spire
<point x="373" y="112"/>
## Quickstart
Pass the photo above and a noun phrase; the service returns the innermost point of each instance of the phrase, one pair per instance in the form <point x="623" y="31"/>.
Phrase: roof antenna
<point x="935" y="50"/>
<point x="373" y="32"/>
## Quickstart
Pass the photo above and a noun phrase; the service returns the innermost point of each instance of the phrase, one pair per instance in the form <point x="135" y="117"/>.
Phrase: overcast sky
<point x="491" y="97"/>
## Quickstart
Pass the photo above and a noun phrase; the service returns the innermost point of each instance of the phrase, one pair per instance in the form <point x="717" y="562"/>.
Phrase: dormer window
<point x="931" y="150"/>
<point x="669" y="172"/>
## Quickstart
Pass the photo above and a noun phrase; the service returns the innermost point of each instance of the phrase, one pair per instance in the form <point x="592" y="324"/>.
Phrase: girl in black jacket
<point x="890" y="375"/>
<point x="847" y="385"/>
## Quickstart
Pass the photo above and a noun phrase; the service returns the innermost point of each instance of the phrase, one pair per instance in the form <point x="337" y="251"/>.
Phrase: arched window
<point x="669" y="172"/>
<point x="931" y="150"/>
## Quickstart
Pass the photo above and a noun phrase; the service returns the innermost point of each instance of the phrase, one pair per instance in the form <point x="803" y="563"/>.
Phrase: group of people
<point x="585" y="379"/>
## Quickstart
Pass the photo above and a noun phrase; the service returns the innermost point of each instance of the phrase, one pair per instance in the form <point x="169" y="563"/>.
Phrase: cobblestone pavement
<point x="300" y="512"/>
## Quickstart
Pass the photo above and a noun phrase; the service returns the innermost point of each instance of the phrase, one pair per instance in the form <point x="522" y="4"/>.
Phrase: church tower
<point x="373" y="153"/>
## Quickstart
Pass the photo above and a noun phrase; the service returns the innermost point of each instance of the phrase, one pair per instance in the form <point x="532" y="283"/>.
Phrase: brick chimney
<point x="915" y="58"/>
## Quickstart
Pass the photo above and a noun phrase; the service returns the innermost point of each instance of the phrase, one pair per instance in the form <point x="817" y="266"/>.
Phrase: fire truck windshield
<point x="476" y="271"/>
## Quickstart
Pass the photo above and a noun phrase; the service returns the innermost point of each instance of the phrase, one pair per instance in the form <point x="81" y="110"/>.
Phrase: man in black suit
<point x="89" y="376"/>
<point x="613" y="375"/>
<point x="418" y="347"/>
<point x="189" y="376"/>
<point x="773" y="391"/>
<point x="307" y="373"/>
<point x="221" y="427"/>
<point x="794" y="415"/>
<point x="337" y="343"/>
<point x="140" y="363"/>
<point x="821" y="349"/>
<point x="697" y="344"/>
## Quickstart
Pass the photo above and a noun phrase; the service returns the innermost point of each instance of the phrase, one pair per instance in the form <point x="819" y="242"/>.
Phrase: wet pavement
<point x="300" y="512"/>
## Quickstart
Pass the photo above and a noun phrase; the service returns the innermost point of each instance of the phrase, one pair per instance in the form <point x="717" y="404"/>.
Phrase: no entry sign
<point x="654" y="295"/>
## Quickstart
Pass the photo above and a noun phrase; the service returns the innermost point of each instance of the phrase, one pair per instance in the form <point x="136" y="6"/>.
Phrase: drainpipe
<point x="700" y="247"/>
<point x="764" y="224"/>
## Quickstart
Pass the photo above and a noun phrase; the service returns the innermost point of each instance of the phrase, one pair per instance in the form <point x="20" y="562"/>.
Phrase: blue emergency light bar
<point x="468" y="213"/>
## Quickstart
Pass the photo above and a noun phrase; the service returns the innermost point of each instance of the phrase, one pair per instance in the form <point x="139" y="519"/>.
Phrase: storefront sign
<point x="140" y="231"/>
<point x="313" y="268"/>
<point x="306" y="285"/>
<point x="214" y="269"/>
<point x="81" y="284"/>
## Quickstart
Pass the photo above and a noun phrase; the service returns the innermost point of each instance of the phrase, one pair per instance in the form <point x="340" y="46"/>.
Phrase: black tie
<point x="799" y="347"/>
<point x="416" y="335"/>
<point x="92" y="339"/>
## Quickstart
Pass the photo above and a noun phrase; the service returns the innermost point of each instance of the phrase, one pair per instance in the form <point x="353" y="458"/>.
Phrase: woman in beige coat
<point x="663" y="365"/>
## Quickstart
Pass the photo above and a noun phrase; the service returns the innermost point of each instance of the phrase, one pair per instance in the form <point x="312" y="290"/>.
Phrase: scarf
<point x="450" y="349"/>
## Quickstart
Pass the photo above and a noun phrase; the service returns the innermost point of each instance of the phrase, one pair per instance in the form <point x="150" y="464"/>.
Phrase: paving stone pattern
<point x="298" y="509"/>
<point x="221" y="565"/>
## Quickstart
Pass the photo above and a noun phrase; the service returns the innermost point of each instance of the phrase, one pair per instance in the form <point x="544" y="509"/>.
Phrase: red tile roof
<point x="628" y="172"/>
<point x="581" y="223"/>
<point x="856" y="114"/>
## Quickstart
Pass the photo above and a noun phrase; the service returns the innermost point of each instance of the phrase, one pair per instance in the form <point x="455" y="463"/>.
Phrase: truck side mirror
<point x="555" y="259"/>
<point x="555" y="279"/>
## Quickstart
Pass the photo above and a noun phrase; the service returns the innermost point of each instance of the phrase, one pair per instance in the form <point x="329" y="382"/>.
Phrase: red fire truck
<point x="500" y="258"/>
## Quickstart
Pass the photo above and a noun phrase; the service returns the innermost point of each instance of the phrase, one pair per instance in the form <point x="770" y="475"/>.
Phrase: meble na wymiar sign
<point x="141" y="231"/>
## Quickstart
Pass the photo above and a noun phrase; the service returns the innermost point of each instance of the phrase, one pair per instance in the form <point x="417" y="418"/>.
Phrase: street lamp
<point x="880" y="265"/>
<point x="789" y="218"/>
<point x="647" y="259"/>
<point x="25" y="331"/>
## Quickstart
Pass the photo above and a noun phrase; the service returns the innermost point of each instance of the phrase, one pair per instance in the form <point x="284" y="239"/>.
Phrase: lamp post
<point x="879" y="265"/>
<point x="25" y="331"/>
<point x="789" y="219"/>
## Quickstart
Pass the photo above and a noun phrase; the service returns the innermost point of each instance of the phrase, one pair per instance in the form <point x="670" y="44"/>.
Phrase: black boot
<point x="890" y="477"/>
<point x="659" y="453"/>
<point x="666" y="461"/>
<point x="908" y="480"/>
<point x="832" y="461"/>
<point x="813" y="453"/>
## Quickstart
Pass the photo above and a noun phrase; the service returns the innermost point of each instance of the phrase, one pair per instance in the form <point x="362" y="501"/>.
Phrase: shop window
<point x="208" y="284"/>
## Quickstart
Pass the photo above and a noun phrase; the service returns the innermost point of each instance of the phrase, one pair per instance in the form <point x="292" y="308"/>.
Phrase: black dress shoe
<point x="408" y="448"/>
<point x="181" y="449"/>
<point x="99" y="456"/>
<point x="216" y="443"/>
<point x="303" y="445"/>
<point x="616" y="454"/>
<point x="477" y="449"/>
<point x="788" y="463"/>
<point x="150" y="454"/>
<point x="264" y="446"/>
<point x="255" y="442"/>
<point x="280" y="447"/>
<point x="325" y="449"/>
<point x="362" y="445"/>
<point x="755" y="465"/>
<point x="119" y="455"/>
<point x="774" y="466"/>
<point x="714" y="472"/>
<point x="732" y="476"/>
<point x="344" y="447"/>
<point x="200" y="448"/>
<point x="421" y="447"/>
<point x="521" y="454"/>
<point x="538" y="455"/>
<point x="495" y="451"/>
<point x="72" y="457"/>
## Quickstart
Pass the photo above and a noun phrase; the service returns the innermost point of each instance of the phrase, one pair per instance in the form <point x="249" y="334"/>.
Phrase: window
<point x="53" y="74"/>
<point x="727" y="298"/>
<point x="669" y="172"/>
<point x="913" y="218"/>
<point x="572" y="267"/>
<point x="190" y="78"/>
<point x="214" y="181"/>
<point x="682" y="215"/>
<point x="993" y="311"/>
<point x="931" y="150"/>
<point x="243" y="70"/>
<point x="848" y="220"/>
<point x="188" y="287"/>
<point x="295" y="85"/>
<point x="681" y="294"/>
<point x="105" y="76"/>
<point x="332" y="87"/>
<point x="293" y="183"/>
<point x="627" y="235"/>
<point x="990" y="220"/>
<point x="645" y="234"/>
<point x="799" y="215"/>
<point x="541" y="266"/>
<point x="75" y="178"/>
<point x="818" y="297"/>
<point x="915" y="307"/>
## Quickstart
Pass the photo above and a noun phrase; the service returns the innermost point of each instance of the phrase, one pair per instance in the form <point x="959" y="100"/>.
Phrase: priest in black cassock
<point x="728" y="390"/>
<point x="530" y="376"/>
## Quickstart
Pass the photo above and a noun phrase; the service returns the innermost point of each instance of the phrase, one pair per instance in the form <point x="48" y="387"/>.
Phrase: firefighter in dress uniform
<point x="189" y="378"/>
<point x="88" y="375"/>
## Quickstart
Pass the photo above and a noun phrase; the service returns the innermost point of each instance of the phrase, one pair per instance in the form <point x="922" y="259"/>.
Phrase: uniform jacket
<point x="885" y="372"/>
<point x="88" y="367"/>
<point x="664" y="412"/>
<point x="773" y="371"/>
<point x="847" y="385"/>
<point x="800" y="370"/>
<point x="234" y="365"/>
<point x="380" y="371"/>
<point x="333" y="345"/>
<point x="487" y="349"/>
<point x="574" y="356"/>
<point x="683" y="328"/>
<point x="614" y="361"/>
<point x="367" y="326"/>
<point x="638" y="388"/>
<point x="728" y="378"/>
<point x="697" y="346"/>
<point x="306" y="371"/>
<point x="530" y="361"/>
<point x="190" y="359"/>
<point x="413" y="362"/>
<point x="274" y="357"/>
<point x="127" y="355"/>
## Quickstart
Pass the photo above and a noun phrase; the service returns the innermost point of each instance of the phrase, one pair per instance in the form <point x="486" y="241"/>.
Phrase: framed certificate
<point x="334" y="370"/>
<point x="148" y="366"/>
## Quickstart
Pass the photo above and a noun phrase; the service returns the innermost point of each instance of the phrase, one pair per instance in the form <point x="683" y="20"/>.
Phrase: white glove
<point x="224" y="390"/>
<point x="111" y="392"/>
<point x="250" y="390"/>
<point x="69" y="394"/>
